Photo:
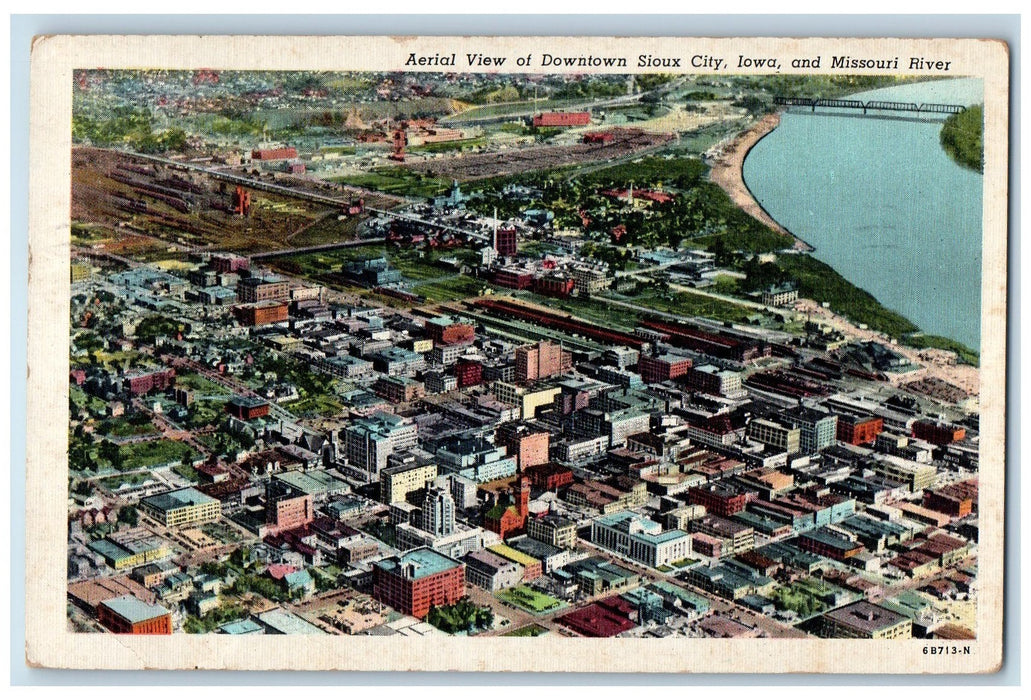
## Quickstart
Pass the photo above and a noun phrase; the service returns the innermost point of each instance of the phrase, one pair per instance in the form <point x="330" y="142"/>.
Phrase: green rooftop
<point x="423" y="562"/>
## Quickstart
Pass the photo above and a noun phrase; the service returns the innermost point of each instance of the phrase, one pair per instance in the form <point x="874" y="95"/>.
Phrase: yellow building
<point x="527" y="399"/>
<point x="183" y="507"/>
<point x="396" y="482"/>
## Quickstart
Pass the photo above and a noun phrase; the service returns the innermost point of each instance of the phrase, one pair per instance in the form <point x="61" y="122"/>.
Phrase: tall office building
<point x="438" y="511"/>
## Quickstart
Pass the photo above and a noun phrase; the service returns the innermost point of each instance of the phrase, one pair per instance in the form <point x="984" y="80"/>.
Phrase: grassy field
<point x="453" y="289"/>
<point x="803" y="596"/>
<point x="115" y="482"/>
<point x="91" y="404"/>
<point x="317" y="405"/>
<point x="417" y="268"/>
<point x="397" y="181"/>
<point x="186" y="471"/>
<point x="526" y="598"/>
<point x="688" y="304"/>
<point x="122" y="428"/>
<point x="155" y="452"/>
<point x="201" y="385"/>
<point x="327" y="229"/>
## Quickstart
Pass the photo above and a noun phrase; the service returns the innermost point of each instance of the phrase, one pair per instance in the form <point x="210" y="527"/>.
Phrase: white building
<point x="640" y="539"/>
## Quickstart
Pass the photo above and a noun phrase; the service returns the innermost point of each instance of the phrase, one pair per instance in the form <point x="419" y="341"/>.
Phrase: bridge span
<point x="875" y="105"/>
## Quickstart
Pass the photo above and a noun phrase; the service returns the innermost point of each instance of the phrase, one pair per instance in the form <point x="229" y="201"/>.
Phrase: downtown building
<point x="640" y="539"/>
<point x="371" y="441"/>
<point x="415" y="581"/>
<point x="541" y="360"/>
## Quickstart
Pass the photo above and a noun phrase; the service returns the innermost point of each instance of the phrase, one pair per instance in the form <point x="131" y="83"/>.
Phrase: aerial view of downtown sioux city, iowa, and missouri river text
<point x="358" y="353"/>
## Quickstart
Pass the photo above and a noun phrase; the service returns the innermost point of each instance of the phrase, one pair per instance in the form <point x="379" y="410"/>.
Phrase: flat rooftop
<point x="425" y="562"/>
<point x="182" y="498"/>
<point x="865" y="616"/>
<point x="133" y="609"/>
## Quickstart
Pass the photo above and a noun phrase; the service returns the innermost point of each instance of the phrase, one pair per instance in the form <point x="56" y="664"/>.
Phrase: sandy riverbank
<point x="939" y="364"/>
<point x="726" y="171"/>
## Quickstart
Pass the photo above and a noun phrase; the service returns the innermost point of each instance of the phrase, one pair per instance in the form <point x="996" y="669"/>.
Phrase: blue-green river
<point x="883" y="204"/>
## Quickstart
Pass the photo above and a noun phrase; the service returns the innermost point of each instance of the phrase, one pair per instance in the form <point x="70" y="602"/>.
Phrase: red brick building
<point x="468" y="373"/>
<point x="286" y="508"/>
<point x="263" y="313"/>
<point x="706" y="545"/>
<point x="510" y="518"/>
<point x="246" y="408"/>
<point x="284" y="153"/>
<point x="528" y="445"/>
<point x="229" y="263"/>
<point x="417" y="580"/>
<point x="606" y="618"/>
<point x="398" y="389"/>
<point x="542" y="360"/>
<point x="554" y="286"/>
<point x="957" y="500"/>
<point x="938" y="433"/>
<point x="129" y="615"/>
<point x="549" y="477"/>
<point x="661" y="368"/>
<point x="513" y="279"/>
<point x="859" y="430"/>
<point x="506" y="241"/>
<point x="720" y="499"/>
<point x="142" y="383"/>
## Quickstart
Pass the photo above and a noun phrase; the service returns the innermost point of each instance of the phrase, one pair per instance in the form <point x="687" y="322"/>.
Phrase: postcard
<point x="517" y="354"/>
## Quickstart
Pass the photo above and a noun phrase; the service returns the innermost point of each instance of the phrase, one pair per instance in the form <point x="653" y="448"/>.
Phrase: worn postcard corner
<point x="663" y="355"/>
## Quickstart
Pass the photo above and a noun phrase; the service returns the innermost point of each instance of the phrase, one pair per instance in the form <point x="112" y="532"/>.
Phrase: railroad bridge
<point x="813" y="103"/>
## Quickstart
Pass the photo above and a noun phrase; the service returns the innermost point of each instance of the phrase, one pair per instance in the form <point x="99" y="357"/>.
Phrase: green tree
<point x="129" y="516"/>
<point x="962" y="137"/>
<point x="110" y="452"/>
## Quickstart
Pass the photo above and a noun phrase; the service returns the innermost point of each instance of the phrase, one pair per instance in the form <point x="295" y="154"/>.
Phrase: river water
<point x="883" y="204"/>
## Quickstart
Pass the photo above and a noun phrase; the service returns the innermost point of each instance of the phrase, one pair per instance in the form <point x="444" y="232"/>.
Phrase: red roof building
<point x="513" y="279"/>
<point x="262" y="313"/>
<point x="444" y="331"/>
<point x="859" y="430"/>
<point x="554" y="286"/>
<point x="562" y="119"/>
<point x="938" y="433"/>
<point x="274" y="153"/>
<point x="606" y="618"/>
<point x="528" y="445"/>
<point x="506" y="241"/>
<point x="958" y="499"/>
<point x="541" y="360"/>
